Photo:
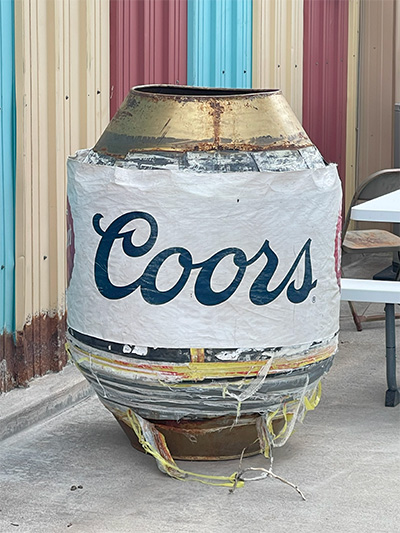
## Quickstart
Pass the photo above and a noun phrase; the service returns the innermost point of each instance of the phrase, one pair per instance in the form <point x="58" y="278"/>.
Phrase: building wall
<point x="325" y="77"/>
<point x="147" y="45"/>
<point x="219" y="43"/>
<point x="376" y="87"/>
<point x="352" y="100"/>
<point x="335" y="61"/>
<point x="62" y="102"/>
<point x="7" y="189"/>
<point x="278" y="49"/>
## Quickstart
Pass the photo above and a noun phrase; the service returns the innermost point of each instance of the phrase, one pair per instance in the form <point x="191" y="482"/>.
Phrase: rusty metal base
<point x="207" y="440"/>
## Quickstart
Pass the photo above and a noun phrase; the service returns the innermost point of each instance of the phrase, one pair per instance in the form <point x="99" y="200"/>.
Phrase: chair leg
<point x="356" y="317"/>
<point x="397" y="277"/>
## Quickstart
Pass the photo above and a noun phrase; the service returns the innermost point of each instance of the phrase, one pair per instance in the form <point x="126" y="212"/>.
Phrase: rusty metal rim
<point x="214" y="445"/>
<point x="212" y="439"/>
<point x="177" y="118"/>
<point x="187" y="92"/>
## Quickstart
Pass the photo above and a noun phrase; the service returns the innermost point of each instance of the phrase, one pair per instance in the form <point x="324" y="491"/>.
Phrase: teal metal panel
<point x="7" y="165"/>
<point x="219" y="43"/>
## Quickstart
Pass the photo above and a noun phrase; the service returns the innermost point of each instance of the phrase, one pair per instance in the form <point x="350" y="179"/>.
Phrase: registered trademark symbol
<point x="314" y="299"/>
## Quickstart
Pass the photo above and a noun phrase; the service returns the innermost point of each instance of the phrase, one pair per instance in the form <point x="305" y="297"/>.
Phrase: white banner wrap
<point x="226" y="260"/>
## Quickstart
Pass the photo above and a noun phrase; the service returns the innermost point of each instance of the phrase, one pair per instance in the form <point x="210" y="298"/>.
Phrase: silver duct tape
<point x="211" y="355"/>
<point x="211" y="162"/>
<point x="158" y="399"/>
<point x="156" y="405"/>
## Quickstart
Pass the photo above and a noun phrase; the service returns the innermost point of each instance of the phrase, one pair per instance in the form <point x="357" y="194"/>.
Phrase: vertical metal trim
<point x="352" y="100"/>
<point x="7" y="166"/>
<point x="220" y="43"/>
<point x="278" y="48"/>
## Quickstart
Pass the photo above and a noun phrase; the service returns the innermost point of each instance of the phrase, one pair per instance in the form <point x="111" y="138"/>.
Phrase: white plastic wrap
<point x="167" y="258"/>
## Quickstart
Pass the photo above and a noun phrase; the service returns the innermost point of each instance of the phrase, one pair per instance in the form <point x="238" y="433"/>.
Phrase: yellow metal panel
<point x="23" y="268"/>
<point x="278" y="48"/>
<point x="352" y="100"/>
<point x="62" y="88"/>
<point x="376" y="97"/>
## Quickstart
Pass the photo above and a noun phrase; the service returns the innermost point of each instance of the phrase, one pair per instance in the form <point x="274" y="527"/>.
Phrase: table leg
<point x="393" y="393"/>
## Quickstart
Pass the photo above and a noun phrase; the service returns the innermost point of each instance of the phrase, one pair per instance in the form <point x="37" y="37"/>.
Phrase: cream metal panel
<point x="62" y="91"/>
<point x="352" y="100"/>
<point x="376" y="94"/>
<point x="278" y="48"/>
<point x="397" y="51"/>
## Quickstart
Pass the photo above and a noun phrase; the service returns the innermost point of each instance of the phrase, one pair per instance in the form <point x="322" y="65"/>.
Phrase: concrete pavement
<point x="42" y="398"/>
<point x="345" y="457"/>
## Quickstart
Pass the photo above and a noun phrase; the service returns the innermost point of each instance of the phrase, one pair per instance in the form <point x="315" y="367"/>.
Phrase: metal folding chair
<point x="372" y="240"/>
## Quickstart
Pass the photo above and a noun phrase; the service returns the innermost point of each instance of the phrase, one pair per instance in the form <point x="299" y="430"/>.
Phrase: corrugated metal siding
<point x="278" y="48"/>
<point x="62" y="91"/>
<point x="397" y="54"/>
<point x="7" y="165"/>
<point x="325" y="77"/>
<point x="352" y="100"/>
<point x="148" y="44"/>
<point x="220" y="43"/>
<point x="376" y="98"/>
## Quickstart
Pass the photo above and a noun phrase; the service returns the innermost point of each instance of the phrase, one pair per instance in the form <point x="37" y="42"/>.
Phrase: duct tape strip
<point x="195" y="371"/>
<point x="161" y="400"/>
<point x="290" y="412"/>
<point x="154" y="443"/>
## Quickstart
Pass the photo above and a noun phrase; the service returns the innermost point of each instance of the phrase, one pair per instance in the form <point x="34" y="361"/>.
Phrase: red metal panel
<point x="147" y="44"/>
<point x="325" y="77"/>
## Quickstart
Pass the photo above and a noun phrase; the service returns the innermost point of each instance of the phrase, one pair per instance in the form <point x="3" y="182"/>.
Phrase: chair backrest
<point x="377" y="184"/>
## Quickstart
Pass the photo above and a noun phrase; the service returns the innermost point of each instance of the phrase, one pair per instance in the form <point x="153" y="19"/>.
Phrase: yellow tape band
<point x="200" y="371"/>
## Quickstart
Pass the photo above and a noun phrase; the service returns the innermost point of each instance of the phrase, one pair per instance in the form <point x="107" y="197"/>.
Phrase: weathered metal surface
<point x="325" y="77"/>
<point x="147" y="45"/>
<point x="36" y="349"/>
<point x="171" y="118"/>
<point x="40" y="347"/>
<point x="219" y="43"/>
<point x="207" y="440"/>
<point x="7" y="362"/>
<point x="378" y="240"/>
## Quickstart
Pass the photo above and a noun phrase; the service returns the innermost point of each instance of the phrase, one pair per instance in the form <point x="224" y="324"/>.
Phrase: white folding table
<point x="385" y="208"/>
